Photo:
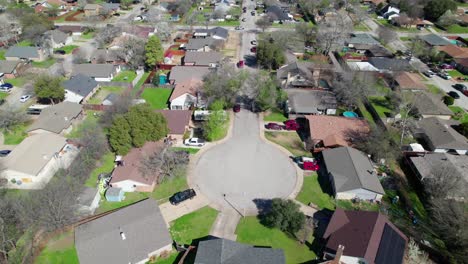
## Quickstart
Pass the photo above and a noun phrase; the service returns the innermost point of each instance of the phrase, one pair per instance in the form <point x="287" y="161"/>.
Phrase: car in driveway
<point x="429" y="73"/>
<point x="460" y="87"/>
<point x="5" y="89"/>
<point x="291" y="125"/>
<point x="253" y="42"/>
<point x="274" y="126"/>
<point x="239" y="28"/>
<point x="444" y="75"/>
<point x="244" y="19"/>
<point x="25" y="98"/>
<point x="194" y="142"/>
<point x="4" y="153"/>
<point x="252" y="13"/>
<point x="253" y="49"/>
<point x="236" y="108"/>
<point x="179" y="197"/>
<point x="446" y="66"/>
<point x="454" y="94"/>
<point x="6" y="85"/>
<point x="60" y="52"/>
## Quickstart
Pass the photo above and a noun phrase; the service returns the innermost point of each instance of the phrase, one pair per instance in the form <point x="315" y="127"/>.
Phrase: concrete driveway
<point x="446" y="86"/>
<point x="244" y="168"/>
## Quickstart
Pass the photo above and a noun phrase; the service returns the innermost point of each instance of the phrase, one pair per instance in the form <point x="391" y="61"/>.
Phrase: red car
<point x="253" y="49"/>
<point x="236" y="108"/>
<point x="446" y="66"/>
<point x="273" y="126"/>
<point x="240" y="64"/>
<point x="291" y="125"/>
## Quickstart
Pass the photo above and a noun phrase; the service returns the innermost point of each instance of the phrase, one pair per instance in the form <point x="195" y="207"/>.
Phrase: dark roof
<point x="223" y="251"/>
<point x="441" y="135"/>
<point x="362" y="38"/>
<point x="181" y="74"/>
<point x="145" y="230"/>
<point x="351" y="169"/>
<point x="80" y="84"/>
<point x="368" y="235"/>
<point x="22" y="52"/>
<point x="379" y="51"/>
<point x="58" y="36"/>
<point x="203" y="58"/>
<point x="8" y="66"/>
<point x="70" y="29"/>
<point x="94" y="70"/>
<point x="435" y="40"/>
<point x="177" y="120"/>
<point x="277" y="13"/>
<point x="430" y="104"/>
<point x="219" y="32"/>
<point x="198" y="43"/>
<point x="390" y="64"/>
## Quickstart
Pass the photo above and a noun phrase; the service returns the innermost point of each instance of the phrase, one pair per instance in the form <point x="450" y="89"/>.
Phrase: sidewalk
<point x="171" y="212"/>
<point x="225" y="224"/>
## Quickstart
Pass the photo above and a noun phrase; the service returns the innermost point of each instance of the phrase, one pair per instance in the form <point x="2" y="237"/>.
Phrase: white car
<point x="197" y="142"/>
<point x="239" y="28"/>
<point x="25" y="98"/>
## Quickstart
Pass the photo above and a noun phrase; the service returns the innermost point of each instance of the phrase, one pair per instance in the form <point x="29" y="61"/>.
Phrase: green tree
<point x="216" y="126"/>
<point x="265" y="91"/>
<point x="49" y="88"/>
<point x="448" y="100"/>
<point x="463" y="129"/>
<point x="125" y="4"/>
<point x="119" y="135"/>
<point x="284" y="215"/>
<point x="436" y="8"/>
<point x="264" y="23"/>
<point x="34" y="25"/>
<point x="154" y="52"/>
<point x="270" y="55"/>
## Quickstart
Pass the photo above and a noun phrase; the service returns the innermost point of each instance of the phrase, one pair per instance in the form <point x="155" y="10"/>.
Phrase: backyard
<point x="125" y="76"/>
<point x="381" y="105"/>
<point x="105" y="165"/>
<point x="130" y="198"/>
<point x="142" y="80"/>
<point x="289" y="140"/>
<point x="2" y="54"/>
<point x="43" y="64"/>
<point x="456" y="74"/>
<point x="196" y="225"/>
<point x="103" y="92"/>
<point x="251" y="231"/>
<point x="59" y="250"/>
<point x="15" y="136"/>
<point x="459" y="114"/>
<point x="157" y="97"/>
<point x="68" y="48"/>
<point x="312" y="192"/>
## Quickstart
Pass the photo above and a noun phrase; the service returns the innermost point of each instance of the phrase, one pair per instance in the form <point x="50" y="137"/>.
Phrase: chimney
<point x="338" y="255"/>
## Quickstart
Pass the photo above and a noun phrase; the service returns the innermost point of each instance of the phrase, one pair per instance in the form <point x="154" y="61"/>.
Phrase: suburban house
<point x="88" y="200"/>
<point x="129" y="176"/>
<point x="296" y="74"/>
<point x="92" y="9"/>
<point x="432" y="165"/>
<point x="462" y="65"/>
<point x="306" y="102"/>
<point x="364" y="237"/>
<point x="390" y="65"/>
<point x="99" y="72"/>
<point x="132" y="234"/>
<point x="439" y="136"/>
<point x="352" y="174"/>
<point x="224" y="251"/>
<point x="216" y="33"/>
<point x="178" y="122"/>
<point x="24" y="53"/>
<point x="360" y="39"/>
<point x="333" y="131"/>
<point x="185" y="95"/>
<point x="202" y="44"/>
<point x="105" y="56"/>
<point x="453" y="52"/>
<point x="277" y="14"/>
<point x="181" y="74"/>
<point x="210" y="58"/>
<point x="80" y="88"/>
<point x="37" y="158"/>
<point x="430" y="105"/>
<point x="410" y="81"/>
<point x="56" y="119"/>
<point x="361" y="66"/>
<point x="436" y="40"/>
<point x="58" y="38"/>
<point x="378" y="51"/>
<point x="8" y="69"/>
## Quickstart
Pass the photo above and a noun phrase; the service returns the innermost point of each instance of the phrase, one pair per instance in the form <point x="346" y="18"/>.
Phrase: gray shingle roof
<point x="223" y="251"/>
<point x="57" y="117"/>
<point x="203" y="58"/>
<point x="58" y="36"/>
<point x="145" y="230"/>
<point x="80" y="84"/>
<point x="441" y="135"/>
<point x="198" y="43"/>
<point x="277" y="13"/>
<point x="429" y="104"/>
<point x="362" y="38"/>
<point x="22" y="52"/>
<point x="184" y="73"/>
<point x="8" y="66"/>
<point x="219" y="32"/>
<point x="436" y="40"/>
<point x="351" y="169"/>
<point x="390" y="64"/>
<point x="94" y="70"/>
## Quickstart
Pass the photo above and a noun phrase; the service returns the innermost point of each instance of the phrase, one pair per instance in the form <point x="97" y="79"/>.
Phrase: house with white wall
<point x="80" y="88"/>
<point x="99" y="72"/>
<point x="440" y="137"/>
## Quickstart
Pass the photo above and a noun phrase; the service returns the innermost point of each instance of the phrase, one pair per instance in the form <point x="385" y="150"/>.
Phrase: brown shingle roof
<point x="454" y="51"/>
<point x="334" y="130"/>
<point x="408" y="80"/>
<point x="131" y="168"/>
<point x="177" y="120"/>
<point x="189" y="86"/>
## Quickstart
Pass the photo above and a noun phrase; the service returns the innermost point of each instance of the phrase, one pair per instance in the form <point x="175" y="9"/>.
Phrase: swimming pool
<point x="350" y="114"/>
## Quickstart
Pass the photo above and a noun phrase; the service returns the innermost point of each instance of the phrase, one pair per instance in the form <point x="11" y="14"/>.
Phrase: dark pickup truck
<point x="182" y="196"/>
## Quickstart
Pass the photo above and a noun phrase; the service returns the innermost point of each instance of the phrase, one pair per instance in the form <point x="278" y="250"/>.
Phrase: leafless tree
<point x="166" y="163"/>
<point x="224" y="84"/>
<point x="352" y="87"/>
<point x="218" y="14"/>
<point x="444" y="182"/>
<point x="57" y="69"/>
<point x="377" y="143"/>
<point x="154" y="15"/>
<point x="191" y="19"/>
<point x="359" y="15"/>
<point x="406" y="107"/>
<point x="386" y="34"/>
<point x="9" y="231"/>
<point x="132" y="52"/>
<point x="332" y="33"/>
<point x="81" y="56"/>
<point x="120" y="107"/>
<point x="164" y="30"/>
<point x="414" y="255"/>
<point x="107" y="34"/>
<point x="402" y="20"/>
<point x="11" y="117"/>
<point x="306" y="31"/>
<point x="264" y="22"/>
<point x="9" y="28"/>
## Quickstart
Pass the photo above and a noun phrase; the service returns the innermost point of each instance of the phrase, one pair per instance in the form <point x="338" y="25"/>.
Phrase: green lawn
<point x="169" y="260"/>
<point x="230" y="23"/>
<point x="125" y="76"/>
<point x="312" y="192"/>
<point x="68" y="48"/>
<point x="43" y="64"/>
<point x="434" y="89"/>
<point x="15" y="137"/>
<point x="88" y="35"/>
<point x="2" y="54"/>
<point x="366" y="114"/>
<point x="457" y="29"/>
<point x="140" y="82"/>
<point x="381" y="105"/>
<point x="193" y="226"/>
<point x="157" y="97"/>
<point x="406" y="38"/>
<point x="90" y="119"/>
<point x="167" y="188"/>
<point x="275" y="116"/>
<point x="361" y="27"/>
<point x="130" y="198"/>
<point x="25" y="43"/>
<point x="3" y="95"/>
<point x="456" y="74"/>
<point x="106" y="166"/>
<point x="289" y="140"/>
<point x="103" y="92"/>
<point x="59" y="250"/>
<point x="251" y="231"/>
<point x="189" y="150"/>
<point x="459" y="114"/>
<point x="17" y="82"/>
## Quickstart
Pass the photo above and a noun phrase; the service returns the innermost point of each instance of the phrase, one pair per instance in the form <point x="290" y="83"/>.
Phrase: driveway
<point x="244" y="168"/>
<point x="446" y="86"/>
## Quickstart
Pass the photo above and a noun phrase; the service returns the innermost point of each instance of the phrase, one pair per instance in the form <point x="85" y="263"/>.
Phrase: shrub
<point x="284" y="215"/>
<point x="448" y="100"/>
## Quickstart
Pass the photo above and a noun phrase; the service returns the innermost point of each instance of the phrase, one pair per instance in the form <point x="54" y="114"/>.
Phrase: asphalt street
<point x="446" y="86"/>
<point x="244" y="168"/>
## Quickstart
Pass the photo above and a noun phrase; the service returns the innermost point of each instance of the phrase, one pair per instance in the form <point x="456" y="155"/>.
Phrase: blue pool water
<point x="350" y="114"/>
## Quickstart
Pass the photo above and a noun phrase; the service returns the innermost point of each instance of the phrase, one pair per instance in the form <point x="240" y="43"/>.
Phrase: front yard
<point x="457" y="29"/>
<point x="196" y="225"/>
<point x="59" y="250"/>
<point x="312" y="192"/>
<point x="125" y="76"/>
<point x="251" y="231"/>
<point x="43" y="64"/>
<point x="167" y="188"/>
<point x="459" y="114"/>
<point x="289" y="140"/>
<point x="157" y="97"/>
<point x="3" y="95"/>
<point x="455" y="74"/>
<point x="275" y="116"/>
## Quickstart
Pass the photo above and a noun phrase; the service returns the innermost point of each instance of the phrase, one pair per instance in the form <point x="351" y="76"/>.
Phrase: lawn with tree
<point x="154" y="52"/>
<point x="270" y="55"/>
<point x="216" y="127"/>
<point x="49" y="89"/>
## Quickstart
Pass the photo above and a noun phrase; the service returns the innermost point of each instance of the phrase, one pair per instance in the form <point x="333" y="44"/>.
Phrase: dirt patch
<point x="289" y="140"/>
<point x="230" y="49"/>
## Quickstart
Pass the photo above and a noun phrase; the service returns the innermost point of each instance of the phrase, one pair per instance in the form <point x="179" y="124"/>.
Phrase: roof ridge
<point x="354" y="166"/>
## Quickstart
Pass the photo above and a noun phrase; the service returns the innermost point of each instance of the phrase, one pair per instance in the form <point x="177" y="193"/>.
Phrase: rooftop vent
<point x="122" y="235"/>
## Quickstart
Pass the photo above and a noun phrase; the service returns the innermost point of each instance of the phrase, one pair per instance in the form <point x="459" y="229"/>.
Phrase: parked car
<point x="253" y="49"/>
<point x="307" y="163"/>
<point x="5" y="89"/>
<point x="240" y="64"/>
<point x="6" y="85"/>
<point x="446" y="66"/>
<point x="460" y="87"/>
<point x="236" y="108"/>
<point x="444" y="75"/>
<point x="239" y="28"/>
<point x="197" y="142"/>
<point x="252" y="13"/>
<point x="25" y="98"/>
<point x="274" y="126"/>
<point x="291" y="125"/>
<point x="182" y="196"/>
<point x="4" y="153"/>
<point x="253" y="42"/>
<point x="454" y="94"/>
<point x="429" y="73"/>
<point x="244" y="19"/>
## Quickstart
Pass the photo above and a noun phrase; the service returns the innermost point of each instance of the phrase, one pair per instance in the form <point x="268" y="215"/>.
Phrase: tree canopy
<point x="215" y="126"/>
<point x="34" y="25"/>
<point x="436" y="8"/>
<point x="154" y="51"/>
<point x="284" y="215"/>
<point x="49" y="88"/>
<point x="270" y="55"/>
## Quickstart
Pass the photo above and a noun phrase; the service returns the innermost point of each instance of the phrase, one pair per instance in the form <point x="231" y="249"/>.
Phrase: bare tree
<point x="11" y="117"/>
<point x="332" y="33"/>
<point x="9" y="29"/>
<point x="164" y="30"/>
<point x="120" y="107"/>
<point x="352" y="87"/>
<point x="264" y="22"/>
<point x="406" y="107"/>
<point x="224" y="84"/>
<point x="166" y="163"/>
<point x="444" y="182"/>
<point x="414" y="255"/>
<point x="386" y="34"/>
<point x="132" y="52"/>
<point x="107" y="34"/>
<point x="447" y="19"/>
<point x="402" y="20"/>
<point x="307" y="31"/>
<point x="81" y="56"/>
